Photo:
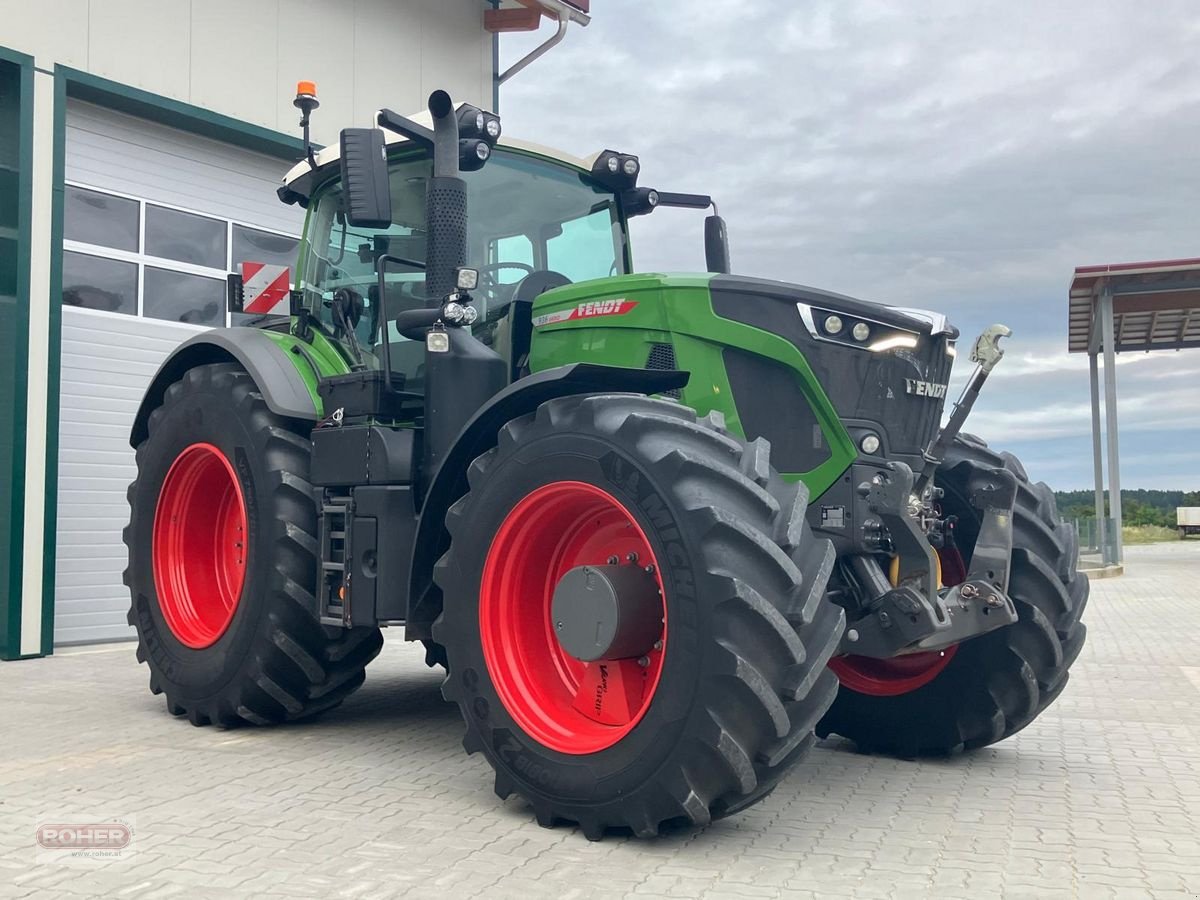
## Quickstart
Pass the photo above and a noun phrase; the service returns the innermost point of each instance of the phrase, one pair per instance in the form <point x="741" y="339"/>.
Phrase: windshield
<point x="526" y="215"/>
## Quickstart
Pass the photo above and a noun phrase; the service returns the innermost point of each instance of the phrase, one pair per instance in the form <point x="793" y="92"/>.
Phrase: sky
<point x="961" y="157"/>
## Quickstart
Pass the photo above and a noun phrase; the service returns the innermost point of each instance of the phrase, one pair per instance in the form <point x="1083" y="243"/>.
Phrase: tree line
<point x="1138" y="507"/>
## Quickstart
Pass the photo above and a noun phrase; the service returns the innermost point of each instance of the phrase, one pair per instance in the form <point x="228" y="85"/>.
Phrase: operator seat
<point x="514" y="333"/>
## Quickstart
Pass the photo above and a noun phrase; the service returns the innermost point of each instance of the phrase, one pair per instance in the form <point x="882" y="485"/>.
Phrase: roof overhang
<point x="1156" y="306"/>
<point x="526" y="15"/>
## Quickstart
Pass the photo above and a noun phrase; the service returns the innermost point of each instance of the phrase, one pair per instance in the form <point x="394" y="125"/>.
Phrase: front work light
<point x="616" y="171"/>
<point x="472" y="154"/>
<point x="474" y="122"/>
<point x="639" y="201"/>
<point x="466" y="278"/>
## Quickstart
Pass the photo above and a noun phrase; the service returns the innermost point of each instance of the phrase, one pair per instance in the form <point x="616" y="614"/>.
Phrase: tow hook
<point x="903" y="621"/>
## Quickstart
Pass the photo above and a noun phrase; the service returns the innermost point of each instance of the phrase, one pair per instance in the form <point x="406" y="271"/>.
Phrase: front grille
<point x="771" y="405"/>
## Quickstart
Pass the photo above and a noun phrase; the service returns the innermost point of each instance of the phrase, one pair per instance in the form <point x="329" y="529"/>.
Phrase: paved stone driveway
<point x="1098" y="798"/>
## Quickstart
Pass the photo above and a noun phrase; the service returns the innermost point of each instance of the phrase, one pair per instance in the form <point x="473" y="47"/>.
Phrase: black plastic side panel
<point x="384" y="525"/>
<point x="273" y="372"/>
<point x="458" y="383"/>
<point x="770" y="405"/>
<point x="363" y="454"/>
<point x="478" y="436"/>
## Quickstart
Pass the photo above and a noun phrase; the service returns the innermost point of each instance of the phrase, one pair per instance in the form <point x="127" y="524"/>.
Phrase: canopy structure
<point x="1120" y="308"/>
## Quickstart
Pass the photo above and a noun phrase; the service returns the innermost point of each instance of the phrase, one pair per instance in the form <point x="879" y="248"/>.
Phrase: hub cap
<point x="563" y="702"/>
<point x="199" y="545"/>
<point x="902" y="674"/>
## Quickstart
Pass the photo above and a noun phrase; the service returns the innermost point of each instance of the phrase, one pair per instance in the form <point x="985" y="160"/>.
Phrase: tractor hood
<point x="916" y="321"/>
<point x="885" y="369"/>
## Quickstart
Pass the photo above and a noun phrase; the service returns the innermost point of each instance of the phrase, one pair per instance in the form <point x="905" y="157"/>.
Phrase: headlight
<point x="861" y="331"/>
<point x="630" y="166"/>
<point x="833" y="324"/>
<point x="870" y="444"/>
<point x="493" y="128"/>
<point x="613" y="164"/>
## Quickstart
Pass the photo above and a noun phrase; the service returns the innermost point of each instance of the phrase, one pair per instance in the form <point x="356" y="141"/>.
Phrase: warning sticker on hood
<point x="592" y="309"/>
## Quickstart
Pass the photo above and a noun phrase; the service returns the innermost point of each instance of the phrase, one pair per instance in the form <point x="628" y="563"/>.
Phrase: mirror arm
<point x="414" y="131"/>
<point x="685" y="201"/>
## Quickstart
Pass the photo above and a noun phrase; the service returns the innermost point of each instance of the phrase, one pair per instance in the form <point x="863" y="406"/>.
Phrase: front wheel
<point x="990" y="687"/>
<point x="614" y="598"/>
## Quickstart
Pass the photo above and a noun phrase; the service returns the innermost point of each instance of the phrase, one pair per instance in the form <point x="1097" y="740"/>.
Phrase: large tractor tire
<point x="990" y="687"/>
<point x="721" y="673"/>
<point x="222" y="564"/>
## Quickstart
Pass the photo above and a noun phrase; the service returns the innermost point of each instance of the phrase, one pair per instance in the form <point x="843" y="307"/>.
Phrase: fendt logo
<point x="618" y="306"/>
<point x="925" y="388"/>
<point x="91" y="836"/>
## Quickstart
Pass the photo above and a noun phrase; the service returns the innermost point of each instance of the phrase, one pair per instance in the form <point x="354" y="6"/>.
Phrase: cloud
<point x="957" y="157"/>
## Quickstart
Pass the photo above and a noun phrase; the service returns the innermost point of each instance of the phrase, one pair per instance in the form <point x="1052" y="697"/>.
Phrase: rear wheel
<point x="614" y="615"/>
<point x="222" y="563"/>
<point x="990" y="687"/>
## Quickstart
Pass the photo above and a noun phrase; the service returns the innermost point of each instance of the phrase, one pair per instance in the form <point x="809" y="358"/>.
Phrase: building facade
<point x="141" y="142"/>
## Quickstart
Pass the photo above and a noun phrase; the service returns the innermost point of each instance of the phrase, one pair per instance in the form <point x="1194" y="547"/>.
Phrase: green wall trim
<point x="177" y="114"/>
<point x="10" y="604"/>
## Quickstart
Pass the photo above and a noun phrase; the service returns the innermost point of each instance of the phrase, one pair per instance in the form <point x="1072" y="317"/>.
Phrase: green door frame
<point x="10" y="603"/>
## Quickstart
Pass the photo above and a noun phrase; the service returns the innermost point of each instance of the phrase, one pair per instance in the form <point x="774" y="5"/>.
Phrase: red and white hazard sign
<point x="265" y="288"/>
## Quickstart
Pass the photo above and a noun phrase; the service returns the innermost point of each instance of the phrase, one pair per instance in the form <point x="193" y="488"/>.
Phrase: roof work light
<point x="478" y="131"/>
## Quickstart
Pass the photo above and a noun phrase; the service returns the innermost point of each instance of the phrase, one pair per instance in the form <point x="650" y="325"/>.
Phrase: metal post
<point x="1110" y="421"/>
<point x="1098" y="458"/>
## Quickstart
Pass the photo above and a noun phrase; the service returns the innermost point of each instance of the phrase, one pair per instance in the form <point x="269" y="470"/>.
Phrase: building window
<point x="181" y="297"/>
<point x="100" y="219"/>
<point x="185" y="237"/>
<point x="130" y="256"/>
<point x="94" y="282"/>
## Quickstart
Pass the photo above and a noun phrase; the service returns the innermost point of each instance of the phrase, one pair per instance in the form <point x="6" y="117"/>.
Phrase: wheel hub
<point x="607" y="612"/>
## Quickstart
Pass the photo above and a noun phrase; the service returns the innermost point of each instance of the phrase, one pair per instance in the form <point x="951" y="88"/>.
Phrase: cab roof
<point x="300" y="181"/>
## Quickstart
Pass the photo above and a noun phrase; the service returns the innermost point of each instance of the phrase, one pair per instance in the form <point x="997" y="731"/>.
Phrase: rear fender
<point x="284" y="372"/>
<point x="478" y="436"/>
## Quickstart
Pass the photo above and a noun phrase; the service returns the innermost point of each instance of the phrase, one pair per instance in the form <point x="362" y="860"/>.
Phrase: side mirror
<point x="365" y="188"/>
<point x="716" y="245"/>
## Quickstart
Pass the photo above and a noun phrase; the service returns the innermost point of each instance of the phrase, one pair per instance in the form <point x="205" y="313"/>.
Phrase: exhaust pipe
<point x="445" y="204"/>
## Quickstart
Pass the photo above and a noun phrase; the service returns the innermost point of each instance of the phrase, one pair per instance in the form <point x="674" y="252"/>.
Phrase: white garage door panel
<point x="128" y="155"/>
<point x="108" y="359"/>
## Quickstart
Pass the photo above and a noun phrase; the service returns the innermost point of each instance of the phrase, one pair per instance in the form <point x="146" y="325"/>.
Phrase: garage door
<point x="154" y="218"/>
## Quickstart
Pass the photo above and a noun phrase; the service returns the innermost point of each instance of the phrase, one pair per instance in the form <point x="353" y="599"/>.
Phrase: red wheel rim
<point x="902" y="674"/>
<point x="199" y="545"/>
<point x="563" y="703"/>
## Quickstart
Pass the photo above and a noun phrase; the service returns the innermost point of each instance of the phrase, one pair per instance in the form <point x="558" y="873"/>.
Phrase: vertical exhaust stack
<point x="445" y="203"/>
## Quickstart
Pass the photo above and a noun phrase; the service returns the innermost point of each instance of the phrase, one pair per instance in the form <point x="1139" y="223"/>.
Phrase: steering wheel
<point x="498" y="293"/>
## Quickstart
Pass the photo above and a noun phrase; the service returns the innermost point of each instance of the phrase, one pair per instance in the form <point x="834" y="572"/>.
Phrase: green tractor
<point x="662" y="531"/>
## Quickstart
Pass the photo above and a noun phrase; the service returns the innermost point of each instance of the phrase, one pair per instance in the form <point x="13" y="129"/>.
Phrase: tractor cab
<point x="539" y="219"/>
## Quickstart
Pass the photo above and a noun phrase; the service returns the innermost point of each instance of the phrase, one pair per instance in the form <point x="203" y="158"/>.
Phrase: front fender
<point x="285" y="374"/>
<point x="478" y="436"/>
